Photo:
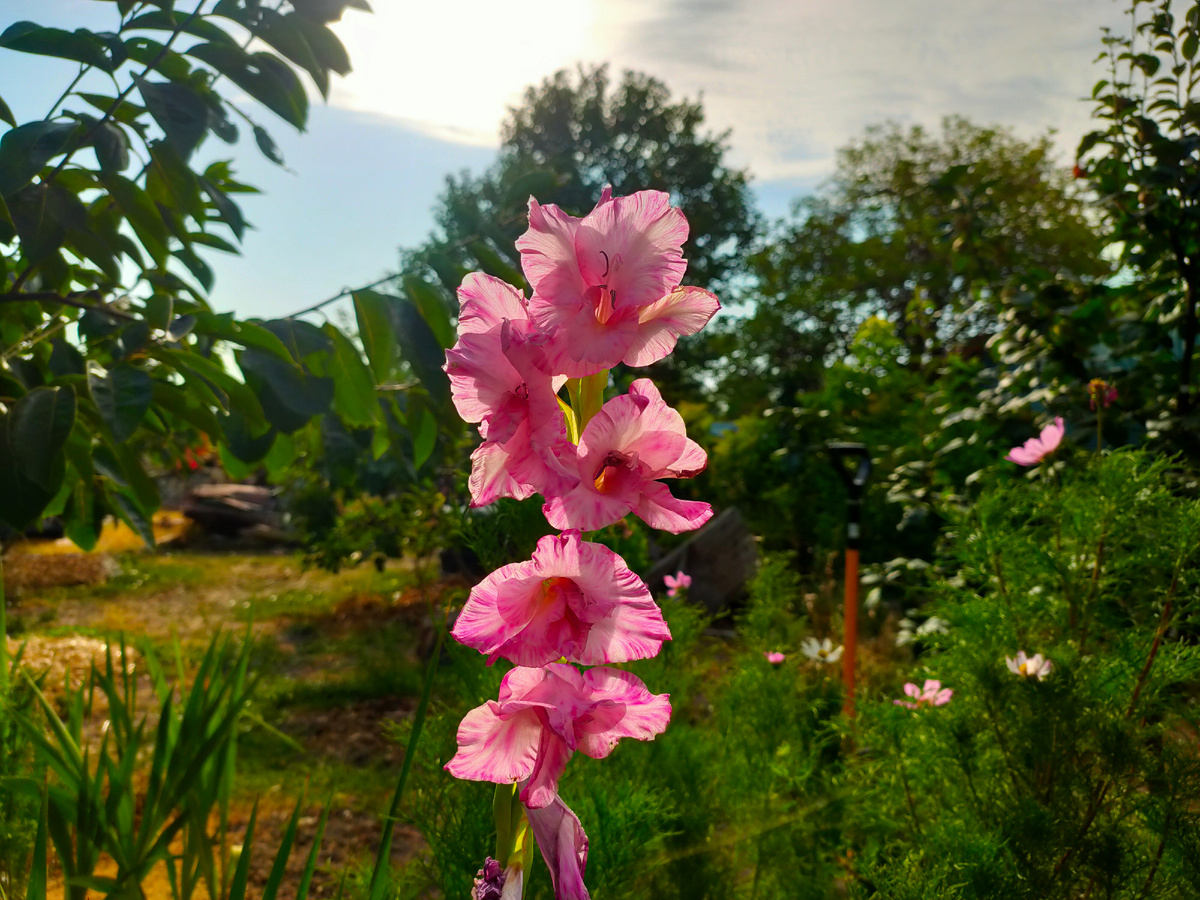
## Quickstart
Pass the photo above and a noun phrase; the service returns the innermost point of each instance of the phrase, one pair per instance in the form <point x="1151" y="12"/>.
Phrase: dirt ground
<point x="315" y="625"/>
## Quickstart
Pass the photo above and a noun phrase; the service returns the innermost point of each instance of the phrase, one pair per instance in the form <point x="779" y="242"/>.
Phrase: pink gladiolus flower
<point x="564" y="847"/>
<point x="497" y="379"/>
<point x="1034" y="450"/>
<point x="574" y="599"/>
<point x="633" y="441"/>
<point x="933" y="694"/>
<point x="677" y="582"/>
<point x="606" y="287"/>
<point x="1035" y="666"/>
<point x="543" y="716"/>
<point x="774" y="657"/>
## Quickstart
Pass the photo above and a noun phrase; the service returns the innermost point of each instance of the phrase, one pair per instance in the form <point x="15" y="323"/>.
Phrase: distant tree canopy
<point x="925" y="230"/>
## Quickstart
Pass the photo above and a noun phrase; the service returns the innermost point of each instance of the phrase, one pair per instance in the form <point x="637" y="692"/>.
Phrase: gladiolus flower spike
<point x="606" y="289"/>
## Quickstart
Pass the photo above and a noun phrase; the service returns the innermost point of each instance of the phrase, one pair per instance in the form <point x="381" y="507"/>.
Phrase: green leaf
<point x="112" y="147"/>
<point x="377" y="334"/>
<point x="420" y="348"/>
<point x="163" y="20"/>
<point x="353" y="387"/>
<point x="264" y="76"/>
<point x="128" y="509"/>
<point x="245" y="444"/>
<point x="433" y="309"/>
<point x="225" y="327"/>
<point x="283" y="33"/>
<point x="33" y="435"/>
<point x="142" y="215"/>
<point x="8" y="228"/>
<point x="424" y="437"/>
<point x="179" y="111"/>
<point x="289" y="397"/>
<point x="122" y="396"/>
<point x="6" y="114"/>
<point x="42" y="214"/>
<point x="80" y="45"/>
<point x="267" y="145"/>
<point x="35" y="888"/>
<point x="165" y="61"/>
<point x="26" y="148"/>
<point x="127" y="113"/>
<point x="1190" y="45"/>
<point x="227" y="211"/>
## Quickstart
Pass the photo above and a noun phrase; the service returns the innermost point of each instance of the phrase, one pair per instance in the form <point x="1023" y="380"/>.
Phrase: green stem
<point x="3" y="628"/>
<point x="378" y="879"/>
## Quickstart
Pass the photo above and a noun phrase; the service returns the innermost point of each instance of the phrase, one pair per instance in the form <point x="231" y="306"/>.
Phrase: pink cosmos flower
<point x="1035" y="666"/>
<point x="774" y="657"/>
<point x="933" y="694"/>
<point x="677" y="582"/>
<point x="543" y="716"/>
<point x="1034" y="450"/>
<point x="564" y="847"/>
<point x="574" y="599"/>
<point x="606" y="287"/>
<point x="633" y="441"/>
<point x="497" y="379"/>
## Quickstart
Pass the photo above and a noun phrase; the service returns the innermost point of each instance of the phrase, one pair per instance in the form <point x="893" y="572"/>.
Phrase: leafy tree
<point x="926" y="231"/>
<point x="1143" y="163"/>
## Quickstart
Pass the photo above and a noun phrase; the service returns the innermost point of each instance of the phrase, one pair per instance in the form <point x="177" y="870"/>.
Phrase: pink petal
<point x="492" y="476"/>
<point x="548" y="253"/>
<point x="485" y="302"/>
<point x="943" y="697"/>
<point x="659" y="508"/>
<point x="564" y="847"/>
<point x="660" y="325"/>
<point x="912" y="690"/>
<point x="481" y="377"/>
<point x="645" y="714"/>
<point x="580" y="344"/>
<point x="542" y="787"/>
<point x="1052" y="435"/>
<point x="586" y="509"/>
<point x="491" y="748"/>
<point x="634" y="245"/>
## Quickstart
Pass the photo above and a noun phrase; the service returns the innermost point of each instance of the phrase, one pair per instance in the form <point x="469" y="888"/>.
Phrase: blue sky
<point x="792" y="79"/>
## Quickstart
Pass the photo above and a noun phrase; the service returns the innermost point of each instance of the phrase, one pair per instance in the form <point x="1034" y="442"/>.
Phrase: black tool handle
<point x="854" y="476"/>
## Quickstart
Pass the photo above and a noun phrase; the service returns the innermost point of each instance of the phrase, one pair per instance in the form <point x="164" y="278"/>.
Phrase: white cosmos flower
<point x="821" y="651"/>
<point x="1035" y="666"/>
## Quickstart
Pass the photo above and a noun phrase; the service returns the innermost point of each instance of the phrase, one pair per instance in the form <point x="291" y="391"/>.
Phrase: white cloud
<point x="794" y="79"/>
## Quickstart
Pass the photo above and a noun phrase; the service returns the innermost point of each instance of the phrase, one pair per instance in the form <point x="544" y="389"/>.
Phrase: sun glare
<point x="453" y="68"/>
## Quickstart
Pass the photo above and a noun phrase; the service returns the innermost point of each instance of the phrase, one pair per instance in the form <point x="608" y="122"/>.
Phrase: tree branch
<point x="74" y="299"/>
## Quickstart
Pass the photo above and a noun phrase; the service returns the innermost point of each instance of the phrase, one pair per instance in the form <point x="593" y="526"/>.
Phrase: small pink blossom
<point x="632" y="442"/>
<point x="933" y="694"/>
<point x="774" y="657"/>
<point x="574" y="599"/>
<point x="1035" y="666"/>
<point x="677" y="582"/>
<point x="497" y="378"/>
<point x="606" y="288"/>
<point x="543" y="716"/>
<point x="1034" y="450"/>
<point x="564" y="847"/>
